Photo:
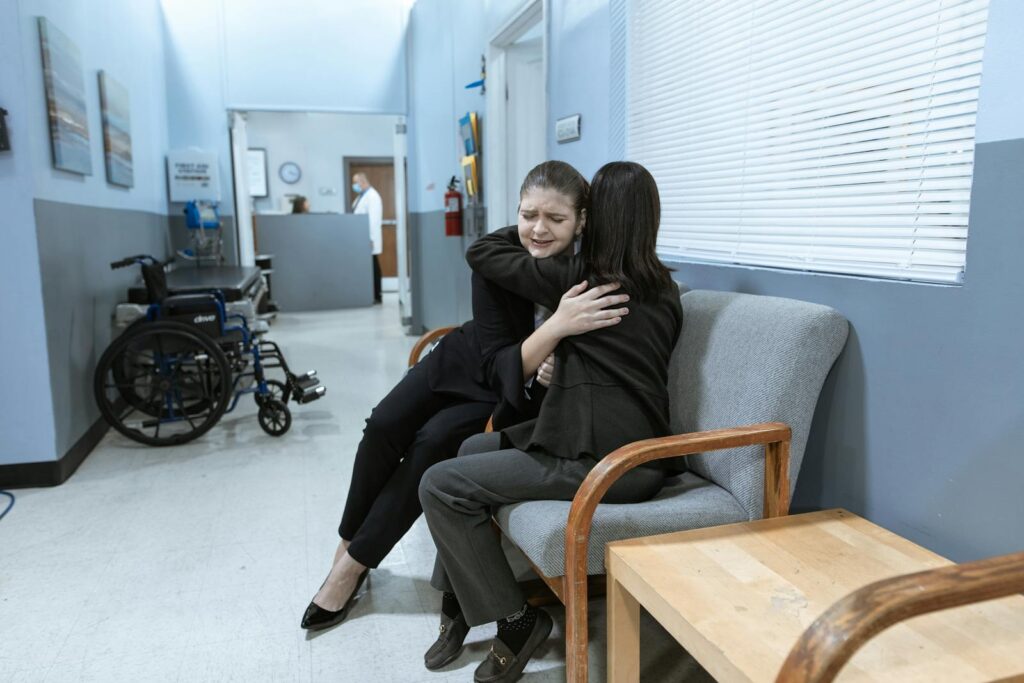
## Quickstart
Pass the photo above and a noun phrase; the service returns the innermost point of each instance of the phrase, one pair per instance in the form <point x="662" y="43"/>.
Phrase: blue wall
<point x="578" y="81"/>
<point x="266" y="55"/>
<point x="48" y="341"/>
<point x="439" y="69"/>
<point x="578" y="62"/>
<point x="121" y="37"/>
<point x="920" y="425"/>
<point x="26" y="411"/>
<point x="322" y="55"/>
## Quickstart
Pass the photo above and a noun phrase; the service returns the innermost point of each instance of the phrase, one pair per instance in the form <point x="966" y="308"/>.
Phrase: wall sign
<point x="256" y="161"/>
<point x="567" y="128"/>
<point x="193" y="174"/>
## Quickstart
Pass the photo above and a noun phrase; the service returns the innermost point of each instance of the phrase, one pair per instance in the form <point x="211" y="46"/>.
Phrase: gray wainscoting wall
<point x="440" y="278"/>
<point x="921" y="424"/>
<point x="76" y="246"/>
<point x="321" y="261"/>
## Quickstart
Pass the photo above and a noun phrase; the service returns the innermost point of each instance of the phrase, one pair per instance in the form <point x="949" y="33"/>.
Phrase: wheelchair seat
<point x="196" y="310"/>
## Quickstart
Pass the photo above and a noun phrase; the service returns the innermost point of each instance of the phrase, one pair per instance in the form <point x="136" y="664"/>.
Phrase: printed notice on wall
<point x="192" y="175"/>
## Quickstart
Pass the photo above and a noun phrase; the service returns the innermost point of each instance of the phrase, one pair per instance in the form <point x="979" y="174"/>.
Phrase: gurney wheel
<point x="274" y="417"/>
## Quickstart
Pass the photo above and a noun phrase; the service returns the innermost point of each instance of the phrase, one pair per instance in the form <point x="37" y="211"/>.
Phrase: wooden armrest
<point x="836" y="635"/>
<point x="426" y="340"/>
<point x="617" y="463"/>
<point x="774" y="435"/>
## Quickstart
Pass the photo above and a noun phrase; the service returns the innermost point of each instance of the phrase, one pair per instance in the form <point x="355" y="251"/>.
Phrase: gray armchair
<point x="744" y="382"/>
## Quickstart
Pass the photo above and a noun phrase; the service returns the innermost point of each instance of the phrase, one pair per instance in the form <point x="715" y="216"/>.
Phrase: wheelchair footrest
<point x="311" y="395"/>
<point x="305" y="382"/>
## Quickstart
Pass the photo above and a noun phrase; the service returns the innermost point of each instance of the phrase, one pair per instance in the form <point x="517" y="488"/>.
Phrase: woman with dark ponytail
<point x="609" y="388"/>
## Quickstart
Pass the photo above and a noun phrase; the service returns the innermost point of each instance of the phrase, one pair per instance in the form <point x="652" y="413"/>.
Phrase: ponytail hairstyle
<point x="622" y="230"/>
<point x="562" y="178"/>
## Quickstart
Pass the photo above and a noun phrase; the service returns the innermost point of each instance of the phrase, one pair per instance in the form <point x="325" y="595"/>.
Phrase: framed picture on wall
<point x="65" y="100"/>
<point x="256" y="161"/>
<point x="117" y="131"/>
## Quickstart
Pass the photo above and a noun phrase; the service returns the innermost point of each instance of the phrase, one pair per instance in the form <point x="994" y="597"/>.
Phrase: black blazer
<point x="610" y="386"/>
<point x="482" y="359"/>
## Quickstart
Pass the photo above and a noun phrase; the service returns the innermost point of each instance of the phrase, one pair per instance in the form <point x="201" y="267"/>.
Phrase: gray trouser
<point x="458" y="496"/>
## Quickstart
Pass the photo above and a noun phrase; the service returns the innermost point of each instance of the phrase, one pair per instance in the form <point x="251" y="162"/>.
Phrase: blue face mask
<point x="356" y="188"/>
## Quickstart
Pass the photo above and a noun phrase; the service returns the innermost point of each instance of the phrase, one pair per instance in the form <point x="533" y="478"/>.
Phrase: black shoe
<point x="504" y="666"/>
<point x="317" y="618"/>
<point x="448" y="644"/>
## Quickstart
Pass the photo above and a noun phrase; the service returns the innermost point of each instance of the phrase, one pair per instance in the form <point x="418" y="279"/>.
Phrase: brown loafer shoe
<point x="448" y="644"/>
<point x="504" y="666"/>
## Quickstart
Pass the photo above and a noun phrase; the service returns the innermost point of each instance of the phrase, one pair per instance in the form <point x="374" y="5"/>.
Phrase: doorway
<point x="380" y="172"/>
<point x="516" y="109"/>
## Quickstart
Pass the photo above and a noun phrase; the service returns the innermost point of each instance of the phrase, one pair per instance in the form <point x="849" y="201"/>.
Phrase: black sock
<point x="515" y="629"/>
<point x="450" y="605"/>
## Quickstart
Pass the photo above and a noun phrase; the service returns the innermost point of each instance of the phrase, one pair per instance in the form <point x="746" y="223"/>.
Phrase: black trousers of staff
<point x="376" y="278"/>
<point x="411" y="429"/>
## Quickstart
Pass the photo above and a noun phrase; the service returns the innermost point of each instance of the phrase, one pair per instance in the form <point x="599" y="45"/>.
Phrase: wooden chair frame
<point x="572" y="589"/>
<point x="426" y="340"/>
<point x="829" y="643"/>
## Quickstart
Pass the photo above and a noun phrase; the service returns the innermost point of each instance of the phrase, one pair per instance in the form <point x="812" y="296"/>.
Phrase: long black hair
<point x="620" y="239"/>
<point x="562" y="178"/>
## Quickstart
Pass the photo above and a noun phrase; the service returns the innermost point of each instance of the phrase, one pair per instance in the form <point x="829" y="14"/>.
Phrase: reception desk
<point x="322" y="261"/>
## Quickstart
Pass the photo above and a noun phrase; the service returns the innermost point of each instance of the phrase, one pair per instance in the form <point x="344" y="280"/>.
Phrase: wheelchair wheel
<point x="162" y="383"/>
<point x="277" y="391"/>
<point x="274" y="417"/>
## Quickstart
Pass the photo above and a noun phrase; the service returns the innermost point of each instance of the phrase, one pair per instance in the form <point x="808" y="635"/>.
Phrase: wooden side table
<point x="737" y="597"/>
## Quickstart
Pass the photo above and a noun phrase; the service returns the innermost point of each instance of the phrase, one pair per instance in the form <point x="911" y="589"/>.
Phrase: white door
<point x="525" y="109"/>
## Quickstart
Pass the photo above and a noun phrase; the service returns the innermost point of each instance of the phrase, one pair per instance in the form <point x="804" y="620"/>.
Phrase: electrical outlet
<point x="5" y="142"/>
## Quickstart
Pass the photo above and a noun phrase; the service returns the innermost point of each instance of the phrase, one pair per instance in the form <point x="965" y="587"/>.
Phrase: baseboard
<point x="54" y="472"/>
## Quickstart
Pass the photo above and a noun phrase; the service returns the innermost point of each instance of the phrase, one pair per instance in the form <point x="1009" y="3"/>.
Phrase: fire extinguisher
<point x="453" y="209"/>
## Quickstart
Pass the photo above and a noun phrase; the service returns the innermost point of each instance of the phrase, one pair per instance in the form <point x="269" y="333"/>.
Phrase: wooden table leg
<point x="623" y="634"/>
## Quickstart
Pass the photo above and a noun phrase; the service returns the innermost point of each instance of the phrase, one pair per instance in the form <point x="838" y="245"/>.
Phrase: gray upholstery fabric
<point x="686" y="502"/>
<point x="741" y="359"/>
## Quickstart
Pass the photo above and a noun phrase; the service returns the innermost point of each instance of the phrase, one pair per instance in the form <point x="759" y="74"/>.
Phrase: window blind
<point x="832" y="136"/>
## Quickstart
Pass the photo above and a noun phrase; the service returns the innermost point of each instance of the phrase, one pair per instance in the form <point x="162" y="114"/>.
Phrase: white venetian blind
<point x="831" y="135"/>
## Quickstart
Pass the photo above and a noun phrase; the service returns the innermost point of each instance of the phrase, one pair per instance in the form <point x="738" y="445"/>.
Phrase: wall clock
<point x="290" y="172"/>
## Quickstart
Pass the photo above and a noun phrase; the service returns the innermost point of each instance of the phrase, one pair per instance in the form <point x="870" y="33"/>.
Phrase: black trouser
<point x="410" y="430"/>
<point x="376" y="278"/>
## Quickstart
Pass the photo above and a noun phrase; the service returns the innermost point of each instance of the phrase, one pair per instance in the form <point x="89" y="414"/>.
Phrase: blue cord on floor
<point x="9" y="505"/>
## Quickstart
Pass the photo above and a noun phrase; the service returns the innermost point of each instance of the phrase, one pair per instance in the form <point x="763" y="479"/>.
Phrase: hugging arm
<point x="501" y="258"/>
<point x="500" y="345"/>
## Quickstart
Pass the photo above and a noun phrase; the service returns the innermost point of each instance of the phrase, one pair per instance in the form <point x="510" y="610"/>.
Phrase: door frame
<point x="499" y="213"/>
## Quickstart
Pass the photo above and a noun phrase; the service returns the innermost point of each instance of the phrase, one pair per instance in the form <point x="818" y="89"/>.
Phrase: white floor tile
<point x="195" y="563"/>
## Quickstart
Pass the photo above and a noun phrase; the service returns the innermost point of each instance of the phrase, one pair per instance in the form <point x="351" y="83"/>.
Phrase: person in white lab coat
<point x="368" y="202"/>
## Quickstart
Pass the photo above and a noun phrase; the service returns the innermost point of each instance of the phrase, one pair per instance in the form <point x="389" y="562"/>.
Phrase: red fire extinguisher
<point x="453" y="209"/>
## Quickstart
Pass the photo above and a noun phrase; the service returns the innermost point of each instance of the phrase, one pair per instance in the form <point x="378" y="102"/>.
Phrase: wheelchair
<point x="173" y="373"/>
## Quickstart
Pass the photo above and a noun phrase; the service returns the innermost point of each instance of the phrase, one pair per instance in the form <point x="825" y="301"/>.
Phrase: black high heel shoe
<point x="317" y="618"/>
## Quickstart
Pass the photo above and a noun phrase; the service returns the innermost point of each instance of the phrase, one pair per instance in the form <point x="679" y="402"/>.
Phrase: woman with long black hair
<point x="484" y="367"/>
<point x="609" y="388"/>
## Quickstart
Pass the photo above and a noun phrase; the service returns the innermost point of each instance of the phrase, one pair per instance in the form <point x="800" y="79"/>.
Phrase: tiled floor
<point x="195" y="563"/>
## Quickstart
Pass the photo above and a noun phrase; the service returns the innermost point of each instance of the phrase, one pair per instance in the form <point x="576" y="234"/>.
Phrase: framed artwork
<point x="117" y="131"/>
<point x="257" y="167"/>
<point x="65" y="100"/>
